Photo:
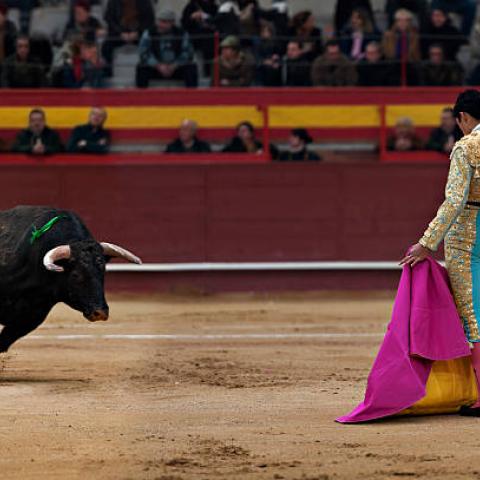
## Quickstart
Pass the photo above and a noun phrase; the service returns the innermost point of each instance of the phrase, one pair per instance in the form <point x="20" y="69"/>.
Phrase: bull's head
<point x="82" y="265"/>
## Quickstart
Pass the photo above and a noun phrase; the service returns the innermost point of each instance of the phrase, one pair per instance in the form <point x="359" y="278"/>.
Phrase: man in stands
<point x="126" y="20"/>
<point x="82" y="24"/>
<point x="333" y="69"/>
<point x="166" y="53"/>
<point x="404" y="138"/>
<point x="466" y="8"/>
<point x="187" y="141"/>
<point x="37" y="139"/>
<point x="91" y="137"/>
<point x="236" y="67"/>
<point x="296" y="66"/>
<point x="22" y="70"/>
<point x="297" y="148"/>
<point x="374" y="71"/>
<point x="443" y="138"/>
<point x="436" y="72"/>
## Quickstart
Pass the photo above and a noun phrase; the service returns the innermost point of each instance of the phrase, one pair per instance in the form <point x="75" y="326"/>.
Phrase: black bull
<point x="62" y="264"/>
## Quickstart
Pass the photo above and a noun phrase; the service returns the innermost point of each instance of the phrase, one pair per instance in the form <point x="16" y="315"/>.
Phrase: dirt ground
<point x="237" y="387"/>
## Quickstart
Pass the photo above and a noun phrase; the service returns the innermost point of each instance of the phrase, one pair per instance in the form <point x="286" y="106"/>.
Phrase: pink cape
<point x="425" y="327"/>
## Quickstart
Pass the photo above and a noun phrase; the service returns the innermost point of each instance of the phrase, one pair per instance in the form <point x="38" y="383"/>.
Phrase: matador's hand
<point x="416" y="254"/>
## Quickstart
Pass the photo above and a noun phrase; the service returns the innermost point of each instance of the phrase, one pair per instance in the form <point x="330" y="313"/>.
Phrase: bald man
<point x="187" y="141"/>
<point x="91" y="137"/>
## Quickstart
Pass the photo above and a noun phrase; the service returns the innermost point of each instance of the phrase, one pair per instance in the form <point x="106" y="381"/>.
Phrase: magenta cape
<point x="425" y="327"/>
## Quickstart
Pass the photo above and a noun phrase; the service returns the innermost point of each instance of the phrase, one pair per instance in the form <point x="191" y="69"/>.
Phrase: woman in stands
<point x="458" y="222"/>
<point x="304" y="30"/>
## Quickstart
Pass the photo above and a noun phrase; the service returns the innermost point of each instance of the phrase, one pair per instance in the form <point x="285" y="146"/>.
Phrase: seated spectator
<point x="187" y="141"/>
<point x="436" y="72"/>
<point x="249" y="21"/>
<point x="296" y="66"/>
<point x="374" y="71"/>
<point x="360" y="32"/>
<point x="404" y="137"/>
<point x="22" y="70"/>
<point x="227" y="20"/>
<point x="440" y="31"/>
<point x="236" y="67"/>
<point x="8" y="33"/>
<point x="245" y="142"/>
<point x="344" y="9"/>
<point x="82" y="69"/>
<point x="466" y="8"/>
<point x="82" y="25"/>
<point x="402" y="42"/>
<point x="278" y="15"/>
<point x="198" y="21"/>
<point x="126" y="20"/>
<point x="37" y="139"/>
<point x="419" y="8"/>
<point x="166" y="53"/>
<point x="304" y="30"/>
<point x="443" y="138"/>
<point x="297" y="148"/>
<point x="403" y="35"/>
<point x="333" y="69"/>
<point x="267" y="55"/>
<point x="91" y="137"/>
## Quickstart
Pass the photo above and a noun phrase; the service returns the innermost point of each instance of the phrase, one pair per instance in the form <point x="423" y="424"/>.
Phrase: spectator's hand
<point x="102" y="141"/>
<point x="224" y="82"/>
<point x="38" y="148"/>
<point x="403" y="144"/>
<point x="82" y="143"/>
<point x="125" y="36"/>
<point x="197" y="16"/>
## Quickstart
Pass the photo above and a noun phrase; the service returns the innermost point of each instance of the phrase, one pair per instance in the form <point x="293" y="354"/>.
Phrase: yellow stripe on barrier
<point x="224" y="116"/>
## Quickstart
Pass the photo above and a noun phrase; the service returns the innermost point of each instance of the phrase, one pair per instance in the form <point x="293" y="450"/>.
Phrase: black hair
<point x="248" y="125"/>
<point x="468" y="102"/>
<point x="35" y="111"/>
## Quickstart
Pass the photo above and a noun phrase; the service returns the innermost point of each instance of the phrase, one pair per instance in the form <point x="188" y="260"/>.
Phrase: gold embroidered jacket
<point x="463" y="185"/>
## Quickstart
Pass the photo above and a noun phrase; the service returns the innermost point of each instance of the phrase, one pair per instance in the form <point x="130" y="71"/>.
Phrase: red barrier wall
<point x="264" y="212"/>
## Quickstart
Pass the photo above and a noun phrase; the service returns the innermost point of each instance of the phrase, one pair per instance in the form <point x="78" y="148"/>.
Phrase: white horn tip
<point x="53" y="267"/>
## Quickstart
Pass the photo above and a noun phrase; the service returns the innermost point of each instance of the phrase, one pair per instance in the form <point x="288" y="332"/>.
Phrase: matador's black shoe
<point x="469" y="411"/>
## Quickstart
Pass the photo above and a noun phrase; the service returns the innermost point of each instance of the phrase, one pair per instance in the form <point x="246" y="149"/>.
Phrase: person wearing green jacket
<point x="38" y="138"/>
<point x="91" y="137"/>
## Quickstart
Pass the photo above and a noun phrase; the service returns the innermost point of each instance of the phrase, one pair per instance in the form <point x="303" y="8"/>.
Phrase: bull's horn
<point x="58" y="253"/>
<point x="112" y="250"/>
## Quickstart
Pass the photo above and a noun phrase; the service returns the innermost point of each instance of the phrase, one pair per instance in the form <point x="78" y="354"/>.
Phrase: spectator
<point x="440" y="31"/>
<point x="245" y="142"/>
<point x="166" y="53"/>
<point x="296" y="66"/>
<point x="37" y="139"/>
<point x="344" y="9"/>
<point x="268" y="58"/>
<point x="278" y="15"/>
<point x="82" y="25"/>
<point x="187" y="141"/>
<point x="419" y="8"/>
<point x="236" y="68"/>
<point x="443" y="138"/>
<point x="436" y="72"/>
<point x="91" y="137"/>
<point x="402" y="40"/>
<point x="374" y="71"/>
<point x="333" y="69"/>
<point x="198" y="21"/>
<point x="404" y="137"/>
<point x="304" y="30"/>
<point x="297" y="148"/>
<point x="22" y="70"/>
<point x="126" y="20"/>
<point x="8" y="32"/>
<point x="355" y="37"/>
<point x="82" y="69"/>
<point x="227" y="21"/>
<point x="249" y="21"/>
<point x="466" y="8"/>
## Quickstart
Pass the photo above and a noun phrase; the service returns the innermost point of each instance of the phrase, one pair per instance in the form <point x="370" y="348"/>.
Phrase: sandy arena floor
<point x="242" y="387"/>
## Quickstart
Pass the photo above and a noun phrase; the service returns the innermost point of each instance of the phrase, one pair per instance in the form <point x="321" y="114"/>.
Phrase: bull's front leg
<point x="19" y="328"/>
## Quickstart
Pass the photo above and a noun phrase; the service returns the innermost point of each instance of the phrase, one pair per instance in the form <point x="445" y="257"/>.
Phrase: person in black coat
<point x="344" y="9"/>
<point x="91" y="137"/>
<point x="440" y="31"/>
<point x="443" y="138"/>
<point x="374" y="70"/>
<point x="296" y="66"/>
<point x="187" y="141"/>
<point x="126" y="21"/>
<point x="297" y="148"/>
<point x="38" y="138"/>
<point x="304" y="30"/>
<point x="245" y="142"/>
